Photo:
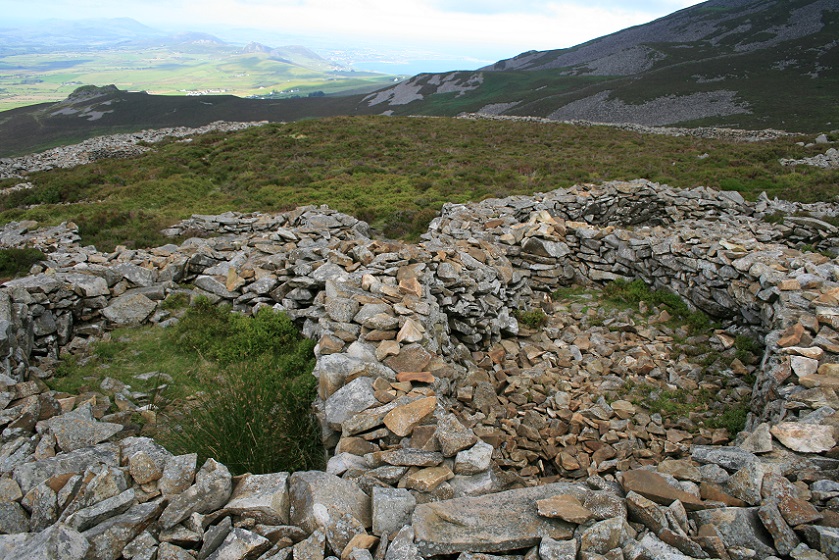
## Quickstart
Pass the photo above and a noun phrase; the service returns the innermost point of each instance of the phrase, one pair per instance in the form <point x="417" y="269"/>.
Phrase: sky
<point x="485" y="29"/>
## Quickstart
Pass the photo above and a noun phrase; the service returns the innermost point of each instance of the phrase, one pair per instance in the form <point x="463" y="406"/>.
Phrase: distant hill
<point x="744" y="63"/>
<point x="47" y="62"/>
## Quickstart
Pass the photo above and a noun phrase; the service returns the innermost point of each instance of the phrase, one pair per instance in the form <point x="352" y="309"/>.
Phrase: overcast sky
<point x="510" y="26"/>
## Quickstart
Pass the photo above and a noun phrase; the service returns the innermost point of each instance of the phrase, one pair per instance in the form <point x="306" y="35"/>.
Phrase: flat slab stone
<point x="655" y="487"/>
<point x="495" y="523"/>
<point x="78" y="429"/>
<point x="263" y="497"/>
<point x="804" y="438"/>
<point x="401" y="420"/>
<point x="129" y="309"/>
<point x="309" y="488"/>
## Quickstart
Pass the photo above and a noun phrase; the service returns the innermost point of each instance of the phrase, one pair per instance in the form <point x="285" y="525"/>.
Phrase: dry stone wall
<point x="432" y="430"/>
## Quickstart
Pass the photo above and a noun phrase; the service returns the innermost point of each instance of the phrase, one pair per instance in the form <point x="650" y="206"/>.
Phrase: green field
<point x="28" y="79"/>
<point x="393" y="172"/>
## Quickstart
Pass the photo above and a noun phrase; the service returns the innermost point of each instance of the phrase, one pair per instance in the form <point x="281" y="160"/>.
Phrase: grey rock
<point x="475" y="485"/>
<point x="240" y="544"/>
<point x="453" y="436"/>
<point x="747" y="482"/>
<point x="212" y="489"/>
<point x="550" y="549"/>
<point x="140" y="546"/>
<point x="342" y="310"/>
<point x="339" y="527"/>
<point x="42" y="503"/>
<point x="214" y="536"/>
<point x="109" y="537"/>
<point x="784" y="537"/>
<point x="263" y="497"/>
<point x="351" y="399"/>
<point x="652" y="547"/>
<point x="137" y="275"/>
<point x="604" y="536"/>
<point x="29" y="475"/>
<point x="169" y="551"/>
<point x="214" y="286"/>
<point x="88" y="517"/>
<point x="411" y="457"/>
<point x="77" y="429"/>
<point x="13" y="518"/>
<point x="392" y="509"/>
<point x="402" y="546"/>
<point x="729" y="458"/>
<point x="474" y="460"/>
<point x="54" y="543"/>
<point x="312" y="487"/>
<point x="737" y="527"/>
<point x="474" y="524"/>
<point x="312" y="548"/>
<point x="178" y="474"/>
<point x="129" y="309"/>
<point x="86" y="285"/>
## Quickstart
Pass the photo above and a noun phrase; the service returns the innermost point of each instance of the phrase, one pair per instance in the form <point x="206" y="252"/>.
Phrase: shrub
<point x="17" y="262"/>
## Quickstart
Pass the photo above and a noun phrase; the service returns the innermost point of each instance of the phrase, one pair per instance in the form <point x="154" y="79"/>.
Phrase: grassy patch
<point x="634" y="292"/>
<point x="241" y="387"/>
<point x="17" y="262"/>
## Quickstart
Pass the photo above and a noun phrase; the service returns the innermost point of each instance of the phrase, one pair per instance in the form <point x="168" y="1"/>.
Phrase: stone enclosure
<point x="452" y="429"/>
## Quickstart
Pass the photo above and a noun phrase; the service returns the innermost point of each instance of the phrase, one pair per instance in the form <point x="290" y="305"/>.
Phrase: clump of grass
<point x="733" y="418"/>
<point x="175" y="301"/>
<point x="747" y="349"/>
<point x="535" y="318"/>
<point x="257" y="417"/>
<point x="17" y="262"/>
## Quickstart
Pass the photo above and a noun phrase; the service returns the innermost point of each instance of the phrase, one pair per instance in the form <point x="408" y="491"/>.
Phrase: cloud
<point x="502" y="25"/>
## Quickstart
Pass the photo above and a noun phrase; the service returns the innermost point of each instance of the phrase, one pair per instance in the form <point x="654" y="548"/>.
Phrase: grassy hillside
<point x="393" y="172"/>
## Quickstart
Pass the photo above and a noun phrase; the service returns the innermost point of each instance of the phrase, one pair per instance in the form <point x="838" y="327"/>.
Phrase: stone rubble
<point x="110" y="146"/>
<point x="736" y="134"/>
<point x="827" y="160"/>
<point x="452" y="428"/>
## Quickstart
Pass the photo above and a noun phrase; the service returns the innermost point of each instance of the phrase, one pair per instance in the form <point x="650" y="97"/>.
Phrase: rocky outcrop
<point x="432" y="396"/>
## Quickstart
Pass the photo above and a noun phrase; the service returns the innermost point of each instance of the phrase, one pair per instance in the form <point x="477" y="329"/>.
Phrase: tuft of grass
<point x="748" y="350"/>
<point x="733" y="418"/>
<point x="535" y="318"/>
<point x="17" y="262"/>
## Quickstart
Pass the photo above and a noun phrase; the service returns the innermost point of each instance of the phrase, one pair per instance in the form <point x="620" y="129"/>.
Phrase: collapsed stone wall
<point x="399" y="328"/>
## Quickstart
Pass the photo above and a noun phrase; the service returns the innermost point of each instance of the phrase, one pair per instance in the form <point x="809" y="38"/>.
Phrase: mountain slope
<point x="746" y="63"/>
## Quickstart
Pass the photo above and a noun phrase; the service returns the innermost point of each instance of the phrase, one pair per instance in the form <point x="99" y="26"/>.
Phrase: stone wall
<point x="409" y="340"/>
